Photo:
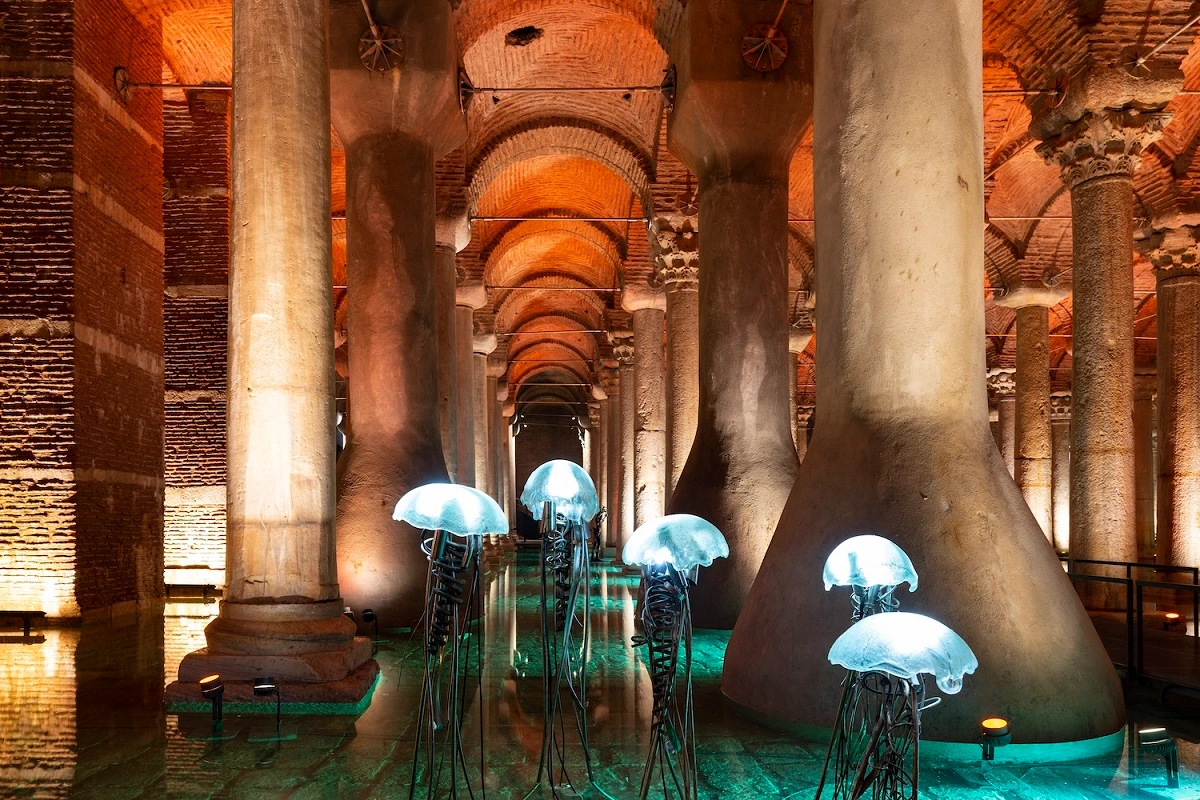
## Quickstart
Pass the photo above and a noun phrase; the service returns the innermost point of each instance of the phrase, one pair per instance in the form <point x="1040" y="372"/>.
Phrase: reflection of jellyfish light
<point x="681" y="540"/>
<point x="905" y="645"/>
<point x="869" y="560"/>
<point x="567" y="486"/>
<point x="461" y="510"/>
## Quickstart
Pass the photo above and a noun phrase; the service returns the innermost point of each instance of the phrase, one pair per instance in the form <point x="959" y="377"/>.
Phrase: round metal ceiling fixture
<point x="764" y="47"/>
<point x="380" y="48"/>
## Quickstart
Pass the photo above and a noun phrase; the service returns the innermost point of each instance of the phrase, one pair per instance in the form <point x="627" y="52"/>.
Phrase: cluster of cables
<point x="447" y="588"/>
<point x="662" y="622"/>
<point x="868" y="600"/>
<point x="558" y="560"/>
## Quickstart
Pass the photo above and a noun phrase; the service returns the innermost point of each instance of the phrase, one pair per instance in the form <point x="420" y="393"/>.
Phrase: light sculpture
<point x="456" y="517"/>
<point x="670" y="551"/>
<point x="872" y="567"/>
<point x="888" y="655"/>
<point x="562" y="498"/>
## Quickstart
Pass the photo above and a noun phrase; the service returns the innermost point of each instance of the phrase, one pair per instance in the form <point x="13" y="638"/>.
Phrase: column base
<point x="348" y="695"/>
<point x="320" y="667"/>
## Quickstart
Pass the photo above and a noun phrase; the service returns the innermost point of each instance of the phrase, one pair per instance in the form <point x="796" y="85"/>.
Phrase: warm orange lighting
<point x="209" y="679"/>
<point x="994" y="723"/>
<point x="1172" y="616"/>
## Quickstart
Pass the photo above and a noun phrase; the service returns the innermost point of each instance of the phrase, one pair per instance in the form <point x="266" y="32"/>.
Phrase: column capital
<point x="471" y="294"/>
<point x="798" y="338"/>
<point x="677" y="233"/>
<point x="1174" y="252"/>
<point x="483" y="344"/>
<point x="1145" y="384"/>
<point x="610" y="380"/>
<point x="639" y="297"/>
<point x="496" y="365"/>
<point x="804" y="414"/>
<point x="1002" y="381"/>
<point x="1103" y="143"/>
<point x="1060" y="406"/>
<point x="1032" y="295"/>
<point x="622" y="342"/>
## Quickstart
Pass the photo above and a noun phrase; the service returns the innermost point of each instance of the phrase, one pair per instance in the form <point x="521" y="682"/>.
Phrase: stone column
<point x="649" y="422"/>
<point x="1176" y="260"/>
<point x="282" y="608"/>
<point x="512" y="492"/>
<point x="393" y="131"/>
<point x="481" y="404"/>
<point x="1144" y="385"/>
<point x="677" y="269"/>
<point x="1003" y="383"/>
<point x="612" y="388"/>
<point x="1033" y="447"/>
<point x="444" y="291"/>
<point x="736" y="129"/>
<point x="468" y="297"/>
<point x="798" y="339"/>
<point x="1060" y="435"/>
<point x="903" y="448"/>
<point x="1097" y="140"/>
<point x="623" y="352"/>
<point x="496" y="368"/>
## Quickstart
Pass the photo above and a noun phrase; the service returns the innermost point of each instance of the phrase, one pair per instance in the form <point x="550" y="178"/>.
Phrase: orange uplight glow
<point x="1172" y="616"/>
<point x="994" y="723"/>
<point x="209" y="679"/>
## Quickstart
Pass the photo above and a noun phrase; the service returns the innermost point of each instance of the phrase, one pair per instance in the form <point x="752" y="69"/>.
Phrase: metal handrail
<point x="1133" y="656"/>
<point x="1132" y="565"/>
<point x="1141" y="621"/>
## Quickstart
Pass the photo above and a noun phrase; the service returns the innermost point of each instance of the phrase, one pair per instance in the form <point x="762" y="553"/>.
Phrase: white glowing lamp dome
<point x="905" y="645"/>
<point x="567" y="486"/>
<point x="461" y="510"/>
<point x="682" y="540"/>
<point x="869" y="560"/>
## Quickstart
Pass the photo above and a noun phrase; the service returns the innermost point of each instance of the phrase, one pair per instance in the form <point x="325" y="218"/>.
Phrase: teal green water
<point x="81" y="716"/>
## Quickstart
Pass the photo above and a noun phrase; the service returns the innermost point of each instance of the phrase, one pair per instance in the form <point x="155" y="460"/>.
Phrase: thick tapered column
<point x="902" y="448"/>
<point x="1002" y="381"/>
<point x="677" y="268"/>
<point x="1032" y="442"/>
<point x="468" y="297"/>
<point x="646" y="308"/>
<point x="798" y="339"/>
<point x="393" y="128"/>
<point x="281" y="609"/>
<point x="1176" y="260"/>
<point x="1098" y="146"/>
<point x="1060" y="468"/>
<point x="623" y="352"/>
<point x="736" y="128"/>
<point x="481" y="405"/>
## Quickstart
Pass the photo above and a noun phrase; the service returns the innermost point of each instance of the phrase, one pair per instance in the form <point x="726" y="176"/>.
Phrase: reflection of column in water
<point x="37" y="716"/>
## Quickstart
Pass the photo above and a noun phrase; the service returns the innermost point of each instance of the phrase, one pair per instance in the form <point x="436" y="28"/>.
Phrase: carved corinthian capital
<point x="1002" y="381"/>
<point x="677" y="262"/>
<point x="1174" y="253"/>
<point x="1103" y="143"/>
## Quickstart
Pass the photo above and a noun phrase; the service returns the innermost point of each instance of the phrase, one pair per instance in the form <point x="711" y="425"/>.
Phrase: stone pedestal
<point x="647" y="307"/>
<point x="393" y="131"/>
<point x="281" y="613"/>
<point x="902" y="448"/>
<point x="736" y="129"/>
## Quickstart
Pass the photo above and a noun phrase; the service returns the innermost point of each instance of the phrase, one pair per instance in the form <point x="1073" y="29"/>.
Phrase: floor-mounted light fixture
<point x="265" y="687"/>
<point x="1171" y="619"/>
<point x="994" y="732"/>
<point x="1157" y="742"/>
<point x="368" y="616"/>
<point x="213" y="689"/>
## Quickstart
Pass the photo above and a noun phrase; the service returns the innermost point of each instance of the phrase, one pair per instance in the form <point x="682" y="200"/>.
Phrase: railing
<point x="1133" y="651"/>
<point x="1141" y="619"/>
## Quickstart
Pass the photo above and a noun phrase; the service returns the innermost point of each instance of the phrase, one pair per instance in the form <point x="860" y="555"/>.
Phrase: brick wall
<point x="196" y="228"/>
<point x="81" y="373"/>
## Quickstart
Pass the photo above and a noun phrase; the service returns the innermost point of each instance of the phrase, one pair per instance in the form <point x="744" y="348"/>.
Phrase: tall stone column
<point x="468" y="297"/>
<point x="1097" y="140"/>
<point x="496" y="368"/>
<point x="736" y="129"/>
<point x="646" y="308"/>
<point x="1144" y="385"/>
<point x="451" y="231"/>
<point x="903" y="448"/>
<point x="798" y="339"/>
<point x="677" y="268"/>
<point x="1002" y="381"/>
<point x="512" y="492"/>
<point x="609" y="377"/>
<point x="1033" y="446"/>
<point x="393" y="130"/>
<point x="1060" y="436"/>
<point x="623" y="351"/>
<point x="481" y="405"/>
<point x="282" y="608"/>
<point x="1176" y="260"/>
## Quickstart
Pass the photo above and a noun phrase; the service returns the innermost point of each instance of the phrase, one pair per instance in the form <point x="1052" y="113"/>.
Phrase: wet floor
<point x="81" y="715"/>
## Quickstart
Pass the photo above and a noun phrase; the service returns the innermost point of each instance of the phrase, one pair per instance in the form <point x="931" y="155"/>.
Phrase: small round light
<point x="995" y="726"/>
<point x="1172" y="616"/>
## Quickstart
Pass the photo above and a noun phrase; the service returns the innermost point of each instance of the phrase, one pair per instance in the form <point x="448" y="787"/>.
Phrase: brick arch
<point x="581" y="250"/>
<point x="517" y="306"/>
<point x="520" y="374"/>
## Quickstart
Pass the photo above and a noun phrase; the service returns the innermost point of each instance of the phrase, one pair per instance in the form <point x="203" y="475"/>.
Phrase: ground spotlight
<point x="368" y="615"/>
<point x="348" y="613"/>
<point x="1171" y="619"/>
<point x="265" y="687"/>
<point x="994" y="733"/>
<point x="1156" y="741"/>
<point x="213" y="689"/>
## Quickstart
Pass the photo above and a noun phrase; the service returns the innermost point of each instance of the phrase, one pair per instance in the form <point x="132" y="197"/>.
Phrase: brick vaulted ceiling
<point x="602" y="155"/>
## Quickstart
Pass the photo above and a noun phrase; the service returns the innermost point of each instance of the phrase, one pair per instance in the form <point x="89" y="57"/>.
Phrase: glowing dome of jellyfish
<point x="449" y="507"/>
<point x="567" y="486"/>
<point x="905" y="645"/>
<point x="681" y="540"/>
<point x="869" y="560"/>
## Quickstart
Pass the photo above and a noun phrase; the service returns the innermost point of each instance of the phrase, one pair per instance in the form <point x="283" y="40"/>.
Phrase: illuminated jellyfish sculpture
<point x="561" y="496"/>
<point x="456" y="518"/>
<point x="889" y="654"/>
<point x="670" y="551"/>
<point x="872" y="567"/>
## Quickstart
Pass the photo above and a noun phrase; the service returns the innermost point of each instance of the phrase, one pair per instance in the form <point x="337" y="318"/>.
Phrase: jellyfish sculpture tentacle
<point x="456" y="518"/>
<point x="889" y="655"/>
<point x="872" y="567"/>
<point x="670" y="551"/>
<point x="561" y="496"/>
